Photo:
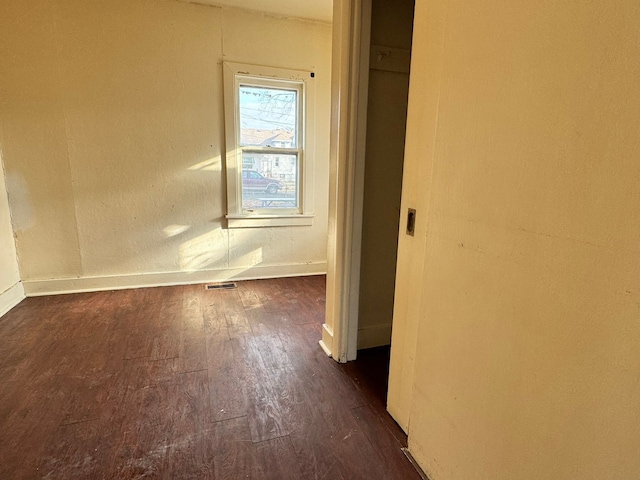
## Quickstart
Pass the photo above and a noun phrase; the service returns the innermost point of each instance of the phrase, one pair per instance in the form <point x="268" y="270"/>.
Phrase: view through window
<point x="269" y="120"/>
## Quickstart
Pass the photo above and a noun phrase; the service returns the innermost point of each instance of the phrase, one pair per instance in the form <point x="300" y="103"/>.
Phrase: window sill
<point x="252" y="221"/>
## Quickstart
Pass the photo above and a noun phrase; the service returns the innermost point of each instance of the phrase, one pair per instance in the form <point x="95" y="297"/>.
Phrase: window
<point x="269" y="146"/>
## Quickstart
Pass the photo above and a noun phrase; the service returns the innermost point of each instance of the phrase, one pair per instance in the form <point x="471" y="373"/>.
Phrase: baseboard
<point x="11" y="297"/>
<point x="421" y="472"/>
<point x="34" y="288"/>
<point x="327" y="339"/>
<point x="375" y="336"/>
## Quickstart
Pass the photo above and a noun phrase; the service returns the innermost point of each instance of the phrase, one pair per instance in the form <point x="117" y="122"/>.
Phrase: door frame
<point x="349" y="92"/>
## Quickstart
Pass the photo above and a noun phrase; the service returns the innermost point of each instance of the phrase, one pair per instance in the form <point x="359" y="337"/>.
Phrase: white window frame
<point x="236" y="74"/>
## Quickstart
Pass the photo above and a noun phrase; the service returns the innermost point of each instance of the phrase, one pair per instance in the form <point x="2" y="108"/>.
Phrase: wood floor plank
<point x="237" y="324"/>
<point x="27" y="428"/>
<point x="248" y="295"/>
<point x="166" y="325"/>
<point x="272" y="351"/>
<point x="124" y="308"/>
<point x="213" y="318"/>
<point x="395" y="464"/>
<point x="192" y="353"/>
<point x="224" y="301"/>
<point x="165" y="344"/>
<point x="23" y="459"/>
<point x="139" y="343"/>
<point x="171" y="309"/>
<point x="147" y="429"/>
<point x="276" y="404"/>
<point x="87" y="397"/>
<point x="266" y="418"/>
<point x="305" y="314"/>
<point x="276" y="460"/>
<point x="188" y="457"/>
<point x="229" y="375"/>
<point x="272" y="297"/>
<point x="191" y="317"/>
<point x="78" y="451"/>
<point x="229" y="445"/>
<point x="143" y="373"/>
<point x="261" y="290"/>
<point x="335" y="447"/>
<point x="331" y="387"/>
<point x="265" y="323"/>
<point x="145" y="315"/>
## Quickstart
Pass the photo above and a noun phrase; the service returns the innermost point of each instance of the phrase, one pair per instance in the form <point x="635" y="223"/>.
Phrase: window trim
<point x="236" y="74"/>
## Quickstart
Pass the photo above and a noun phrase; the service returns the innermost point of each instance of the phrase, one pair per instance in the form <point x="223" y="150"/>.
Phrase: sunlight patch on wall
<point x="212" y="164"/>
<point x="250" y="259"/>
<point x="205" y="251"/>
<point x="246" y="261"/>
<point x="173" y="230"/>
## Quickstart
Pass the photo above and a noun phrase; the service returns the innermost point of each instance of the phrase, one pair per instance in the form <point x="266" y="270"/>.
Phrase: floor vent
<point x="221" y="286"/>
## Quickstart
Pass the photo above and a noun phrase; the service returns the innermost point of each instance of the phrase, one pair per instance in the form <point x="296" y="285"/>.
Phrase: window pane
<point x="267" y="185"/>
<point x="268" y="117"/>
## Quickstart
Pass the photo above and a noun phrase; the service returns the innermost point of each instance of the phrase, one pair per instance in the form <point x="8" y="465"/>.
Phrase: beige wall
<point x="112" y="133"/>
<point x="527" y="360"/>
<point x="10" y="287"/>
<point x="391" y="25"/>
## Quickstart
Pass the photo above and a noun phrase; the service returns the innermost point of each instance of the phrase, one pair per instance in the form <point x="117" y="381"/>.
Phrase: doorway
<point x="357" y="62"/>
<point x="391" y="28"/>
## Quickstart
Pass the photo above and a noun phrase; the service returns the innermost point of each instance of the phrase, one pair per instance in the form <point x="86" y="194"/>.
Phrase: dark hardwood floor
<point x="183" y="382"/>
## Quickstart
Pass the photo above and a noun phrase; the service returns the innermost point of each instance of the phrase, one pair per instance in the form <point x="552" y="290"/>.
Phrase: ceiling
<point x="312" y="9"/>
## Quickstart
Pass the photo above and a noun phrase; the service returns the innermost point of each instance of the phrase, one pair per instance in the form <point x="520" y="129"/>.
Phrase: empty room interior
<point x="207" y="207"/>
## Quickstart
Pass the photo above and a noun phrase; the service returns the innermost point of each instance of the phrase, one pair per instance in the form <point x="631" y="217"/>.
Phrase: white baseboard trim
<point x="324" y="348"/>
<point x="375" y="336"/>
<point x="327" y="339"/>
<point x="35" y="288"/>
<point x="11" y="297"/>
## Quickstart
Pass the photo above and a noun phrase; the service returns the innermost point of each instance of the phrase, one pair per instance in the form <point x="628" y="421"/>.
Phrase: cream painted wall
<point x="527" y="359"/>
<point x="112" y="133"/>
<point x="11" y="291"/>
<point x="391" y="26"/>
